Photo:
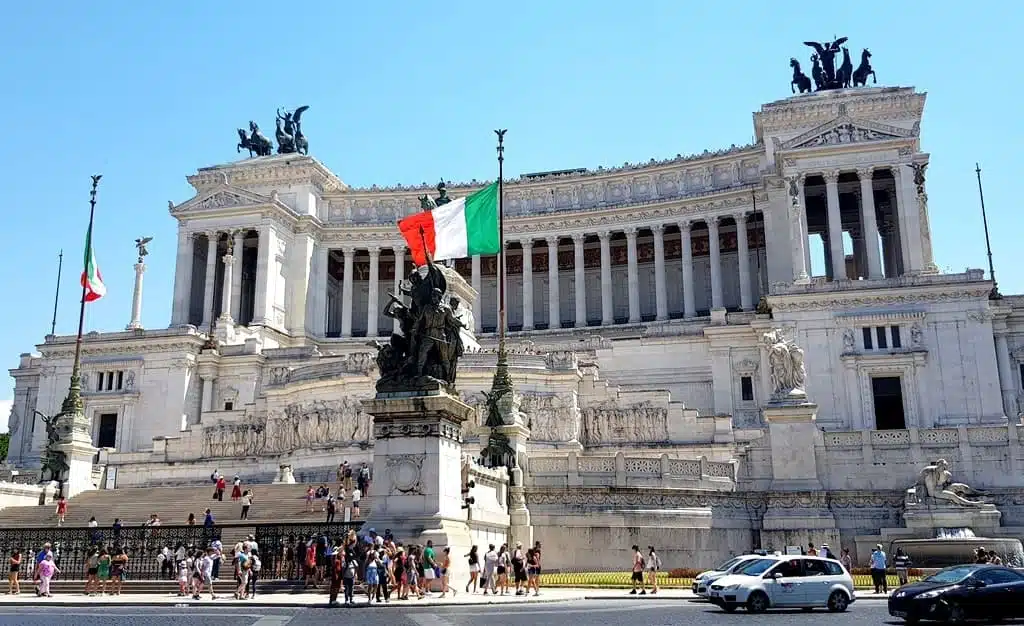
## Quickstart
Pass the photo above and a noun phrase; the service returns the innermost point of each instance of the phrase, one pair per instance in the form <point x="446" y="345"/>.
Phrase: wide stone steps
<point x="273" y="504"/>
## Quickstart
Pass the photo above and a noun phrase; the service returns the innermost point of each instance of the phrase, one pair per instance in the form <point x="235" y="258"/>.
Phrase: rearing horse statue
<point x="800" y="80"/>
<point x="860" y="75"/>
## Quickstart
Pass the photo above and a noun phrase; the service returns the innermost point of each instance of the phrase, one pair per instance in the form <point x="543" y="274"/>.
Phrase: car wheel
<point x="757" y="602"/>
<point x="956" y="614"/>
<point x="838" y="602"/>
<point x="729" y="607"/>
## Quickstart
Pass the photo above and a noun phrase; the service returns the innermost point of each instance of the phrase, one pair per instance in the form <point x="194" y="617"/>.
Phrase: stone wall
<point x="574" y="470"/>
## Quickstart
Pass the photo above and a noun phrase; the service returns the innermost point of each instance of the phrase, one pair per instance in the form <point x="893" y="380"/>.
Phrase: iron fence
<point x="282" y="546"/>
<point x="72" y="547"/>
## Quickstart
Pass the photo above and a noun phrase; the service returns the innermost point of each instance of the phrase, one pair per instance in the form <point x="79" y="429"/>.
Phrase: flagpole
<point x="73" y="403"/>
<point x="56" y="295"/>
<point x="988" y="245"/>
<point x="501" y="246"/>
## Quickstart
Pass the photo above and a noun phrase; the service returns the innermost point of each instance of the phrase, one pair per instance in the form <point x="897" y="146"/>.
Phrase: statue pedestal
<point x="417" y="461"/>
<point x="925" y="519"/>
<point x="79" y="456"/>
<point x="795" y="439"/>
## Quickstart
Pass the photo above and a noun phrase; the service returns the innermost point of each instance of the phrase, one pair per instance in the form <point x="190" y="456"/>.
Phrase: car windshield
<point x="738" y="564"/>
<point x="951" y="575"/>
<point x="755" y="567"/>
<point x="724" y="567"/>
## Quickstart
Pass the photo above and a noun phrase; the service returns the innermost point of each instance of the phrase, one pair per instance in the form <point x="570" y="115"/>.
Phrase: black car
<point x="960" y="593"/>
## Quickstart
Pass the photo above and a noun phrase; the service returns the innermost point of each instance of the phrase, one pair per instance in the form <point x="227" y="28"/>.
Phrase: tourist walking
<point x="14" y="563"/>
<point x="846" y="560"/>
<point x="346" y="476"/>
<point x="331" y="509"/>
<point x="309" y="498"/>
<point x="446" y="565"/>
<point x="62" y="510"/>
<point x="653" y="566"/>
<point x="348" y="575"/>
<point x="429" y="568"/>
<point x="357" y="495"/>
<point x="490" y="567"/>
<point x="902" y="564"/>
<point x="46" y="571"/>
<point x="504" y="565"/>
<point x="878" y="565"/>
<point x="537" y="555"/>
<point x="255" y="567"/>
<point x="474" y="568"/>
<point x="372" y="575"/>
<point x="103" y="570"/>
<point x="218" y="491"/>
<point x="236" y="488"/>
<point x="191" y="519"/>
<point x="638" y="572"/>
<point x="519" y="568"/>
<point x="246" y="503"/>
<point x="363" y="479"/>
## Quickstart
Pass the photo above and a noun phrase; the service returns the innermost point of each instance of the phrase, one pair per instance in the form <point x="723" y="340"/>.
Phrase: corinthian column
<point x="743" y="260"/>
<point x="835" y="226"/>
<point x="225" y="299"/>
<point x="607" y="314"/>
<point x="527" y="245"/>
<point x="136" y="322"/>
<point x="554" y="315"/>
<point x="632" y="276"/>
<point x="373" y="298"/>
<point x="714" y="245"/>
<point x="580" y="278"/>
<point x="211" y="275"/>
<point x="689" y="305"/>
<point x="660" y="293"/>
<point x="348" y="256"/>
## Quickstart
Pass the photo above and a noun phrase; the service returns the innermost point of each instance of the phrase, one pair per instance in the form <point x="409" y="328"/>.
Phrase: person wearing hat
<point x="825" y="552"/>
<point x="878" y="565"/>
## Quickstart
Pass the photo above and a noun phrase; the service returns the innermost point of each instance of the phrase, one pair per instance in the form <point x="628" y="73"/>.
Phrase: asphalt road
<point x="590" y="612"/>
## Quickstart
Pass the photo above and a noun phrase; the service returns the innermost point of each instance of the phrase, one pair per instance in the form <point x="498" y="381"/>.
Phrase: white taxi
<point x="784" y="582"/>
<point x="703" y="580"/>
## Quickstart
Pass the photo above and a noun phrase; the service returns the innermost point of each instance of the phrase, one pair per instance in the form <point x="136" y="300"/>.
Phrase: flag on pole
<point x="92" y="281"/>
<point x="462" y="228"/>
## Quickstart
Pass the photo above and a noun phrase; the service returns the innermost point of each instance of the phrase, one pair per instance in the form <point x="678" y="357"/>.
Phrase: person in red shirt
<point x="62" y="510"/>
<point x="221" y="486"/>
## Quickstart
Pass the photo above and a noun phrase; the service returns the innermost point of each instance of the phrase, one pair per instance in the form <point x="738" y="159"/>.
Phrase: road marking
<point x="273" y="620"/>
<point x="428" y="619"/>
<point x="628" y="606"/>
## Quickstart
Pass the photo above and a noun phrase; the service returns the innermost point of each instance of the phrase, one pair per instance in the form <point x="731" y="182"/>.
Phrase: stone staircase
<point x="273" y="504"/>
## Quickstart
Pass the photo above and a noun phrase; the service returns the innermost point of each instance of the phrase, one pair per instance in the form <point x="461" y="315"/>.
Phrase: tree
<point x="5" y="441"/>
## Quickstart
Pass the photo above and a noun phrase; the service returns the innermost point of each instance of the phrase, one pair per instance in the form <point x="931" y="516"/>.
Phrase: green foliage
<point x="5" y="441"/>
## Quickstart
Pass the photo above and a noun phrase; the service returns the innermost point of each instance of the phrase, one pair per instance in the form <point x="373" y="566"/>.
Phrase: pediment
<point x="224" y="196"/>
<point x="844" y="131"/>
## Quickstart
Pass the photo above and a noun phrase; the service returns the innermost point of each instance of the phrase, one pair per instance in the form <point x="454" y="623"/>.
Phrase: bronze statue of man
<point x="433" y="321"/>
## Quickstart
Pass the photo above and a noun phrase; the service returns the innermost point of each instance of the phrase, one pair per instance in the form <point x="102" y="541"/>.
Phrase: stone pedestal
<point x="795" y="439"/>
<point x="79" y="456"/>
<point x="924" y="520"/>
<point x="417" y="462"/>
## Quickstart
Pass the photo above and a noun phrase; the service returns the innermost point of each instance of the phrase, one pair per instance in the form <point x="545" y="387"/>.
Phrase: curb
<point x="280" y="605"/>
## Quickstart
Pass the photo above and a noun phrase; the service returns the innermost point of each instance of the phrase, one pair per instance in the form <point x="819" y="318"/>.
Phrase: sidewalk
<point x="302" y="600"/>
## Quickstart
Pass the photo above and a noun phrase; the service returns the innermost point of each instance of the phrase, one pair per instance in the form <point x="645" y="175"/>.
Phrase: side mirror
<point x="776" y="575"/>
<point x="976" y="584"/>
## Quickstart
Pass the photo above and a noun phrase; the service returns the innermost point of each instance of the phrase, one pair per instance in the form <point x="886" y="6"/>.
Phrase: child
<point x="184" y="566"/>
<point x="62" y="510"/>
<point x="46" y="571"/>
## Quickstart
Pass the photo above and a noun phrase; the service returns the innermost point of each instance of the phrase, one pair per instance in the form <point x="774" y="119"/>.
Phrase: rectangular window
<point x="120" y="380"/>
<point x="106" y="437"/>
<point x="99" y="381"/>
<point x="110" y="381"/>
<point x="880" y="333"/>
<point x="887" y="394"/>
<point x="895" y="331"/>
<point x="867" y="338"/>
<point x="747" y="388"/>
<point x="229" y="406"/>
<point x="1022" y="375"/>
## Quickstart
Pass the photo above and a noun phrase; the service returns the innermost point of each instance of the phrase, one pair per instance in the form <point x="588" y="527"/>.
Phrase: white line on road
<point x="273" y="620"/>
<point x="428" y="619"/>
<point x="627" y="606"/>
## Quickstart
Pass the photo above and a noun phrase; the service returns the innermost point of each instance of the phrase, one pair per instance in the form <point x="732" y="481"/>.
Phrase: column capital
<point x="657" y="229"/>
<point x="712" y="222"/>
<point x="740" y="216"/>
<point x="866" y="173"/>
<point x="831" y="176"/>
<point x="398" y="249"/>
<point x="552" y="241"/>
<point x="630" y="232"/>
<point x="579" y="238"/>
<point x="685" y="226"/>
<point x="348" y="251"/>
<point x="526" y="243"/>
<point x="604" y="235"/>
<point x="374" y="251"/>
<point x="228" y="259"/>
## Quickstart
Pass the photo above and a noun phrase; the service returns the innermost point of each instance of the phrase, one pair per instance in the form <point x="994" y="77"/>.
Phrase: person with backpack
<point x="348" y="575"/>
<point x="332" y="506"/>
<point x="255" y="567"/>
<point x="364" y="480"/>
<point x="638" y="572"/>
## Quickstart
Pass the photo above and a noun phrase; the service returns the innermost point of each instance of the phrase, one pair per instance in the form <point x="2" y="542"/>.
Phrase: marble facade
<point x="637" y="296"/>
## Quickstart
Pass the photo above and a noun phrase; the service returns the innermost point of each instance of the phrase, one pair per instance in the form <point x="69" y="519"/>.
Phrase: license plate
<point x="713" y="594"/>
<point x="900" y="614"/>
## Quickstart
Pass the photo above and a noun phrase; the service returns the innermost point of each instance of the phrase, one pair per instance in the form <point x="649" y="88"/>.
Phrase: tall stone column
<point x="183" y="278"/>
<point x="136" y="322"/>
<point x="686" y="242"/>
<point x="743" y="260"/>
<point x="527" y="245"/>
<point x="607" y="313"/>
<point x="396" y="326"/>
<point x="348" y="254"/>
<point x="1005" y="368"/>
<point x="225" y="300"/>
<point x="237" y="250"/>
<point x="373" y="293"/>
<point x="579" y="269"/>
<point x="715" y="246"/>
<point x="320" y="299"/>
<point x="478" y="317"/>
<point x="660" y="292"/>
<point x="554" y="315"/>
<point x="262" y="276"/>
<point x="870" y="221"/>
<point x="211" y="275"/>
<point x="835" y="226"/>
<point x="632" y="276"/>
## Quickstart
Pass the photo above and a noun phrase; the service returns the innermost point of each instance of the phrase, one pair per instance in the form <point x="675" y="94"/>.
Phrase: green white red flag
<point x="92" y="281"/>
<point x="462" y="228"/>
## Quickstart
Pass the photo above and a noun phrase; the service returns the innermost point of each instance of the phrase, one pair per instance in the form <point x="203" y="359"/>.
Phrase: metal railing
<point x="283" y="545"/>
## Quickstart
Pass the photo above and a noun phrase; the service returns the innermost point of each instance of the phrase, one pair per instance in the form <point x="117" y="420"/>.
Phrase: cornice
<point x="858" y="298"/>
<point x="123" y="345"/>
<point x="282" y="169"/>
<point x="807" y="110"/>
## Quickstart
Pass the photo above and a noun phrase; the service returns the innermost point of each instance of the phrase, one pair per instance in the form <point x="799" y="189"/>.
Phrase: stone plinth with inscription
<point x="417" y="460"/>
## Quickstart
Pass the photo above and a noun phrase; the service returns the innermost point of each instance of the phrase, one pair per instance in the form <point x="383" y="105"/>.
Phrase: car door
<point x="816" y="582"/>
<point x="783" y="583"/>
<point x="995" y="593"/>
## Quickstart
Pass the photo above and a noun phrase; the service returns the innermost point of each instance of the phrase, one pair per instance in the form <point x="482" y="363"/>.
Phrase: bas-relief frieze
<point x="833" y="300"/>
<point x="636" y="424"/>
<point x="551" y="417"/>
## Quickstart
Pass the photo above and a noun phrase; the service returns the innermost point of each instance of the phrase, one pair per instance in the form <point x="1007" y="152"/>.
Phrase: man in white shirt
<point x="357" y="495"/>
<point x="207" y="569"/>
<point x="490" y="569"/>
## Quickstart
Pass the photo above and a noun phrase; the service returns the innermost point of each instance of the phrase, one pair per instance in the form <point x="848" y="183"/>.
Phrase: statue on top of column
<point x="140" y="246"/>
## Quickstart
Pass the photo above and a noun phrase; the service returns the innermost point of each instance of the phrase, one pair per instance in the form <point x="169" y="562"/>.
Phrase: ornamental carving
<point x="553" y="417"/>
<point x="635" y="424"/>
<point x="415" y="429"/>
<point x="221" y="200"/>
<point x="405" y="472"/>
<point x="306" y="424"/>
<point x="359" y="363"/>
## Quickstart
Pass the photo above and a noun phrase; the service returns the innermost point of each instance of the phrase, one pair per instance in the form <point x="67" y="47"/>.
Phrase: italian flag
<point x="462" y="228"/>
<point x="92" y="281"/>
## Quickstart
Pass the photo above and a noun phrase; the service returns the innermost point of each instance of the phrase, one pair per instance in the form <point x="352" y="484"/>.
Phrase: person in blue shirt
<point x="878" y="564"/>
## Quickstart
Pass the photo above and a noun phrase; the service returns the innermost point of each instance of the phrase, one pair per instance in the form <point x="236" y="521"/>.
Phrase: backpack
<point x="213" y="477"/>
<point x="256" y="564"/>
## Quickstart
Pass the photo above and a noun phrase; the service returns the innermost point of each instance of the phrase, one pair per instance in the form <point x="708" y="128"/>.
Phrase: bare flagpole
<point x="56" y="294"/>
<point x="988" y="245"/>
<point x="501" y="245"/>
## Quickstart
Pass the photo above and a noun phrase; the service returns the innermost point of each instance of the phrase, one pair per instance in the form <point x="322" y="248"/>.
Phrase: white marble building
<point x="636" y="298"/>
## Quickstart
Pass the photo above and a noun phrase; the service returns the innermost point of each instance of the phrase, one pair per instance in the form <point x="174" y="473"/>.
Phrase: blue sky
<point x="410" y="91"/>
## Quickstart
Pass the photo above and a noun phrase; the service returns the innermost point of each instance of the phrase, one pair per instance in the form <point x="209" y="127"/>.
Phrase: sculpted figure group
<point x="935" y="485"/>
<point x="824" y="71"/>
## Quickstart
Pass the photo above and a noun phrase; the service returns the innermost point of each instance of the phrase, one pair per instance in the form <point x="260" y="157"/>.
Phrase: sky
<point x="410" y="91"/>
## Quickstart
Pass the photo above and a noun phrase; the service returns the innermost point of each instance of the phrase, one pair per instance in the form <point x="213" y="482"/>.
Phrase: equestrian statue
<point x="824" y="72"/>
